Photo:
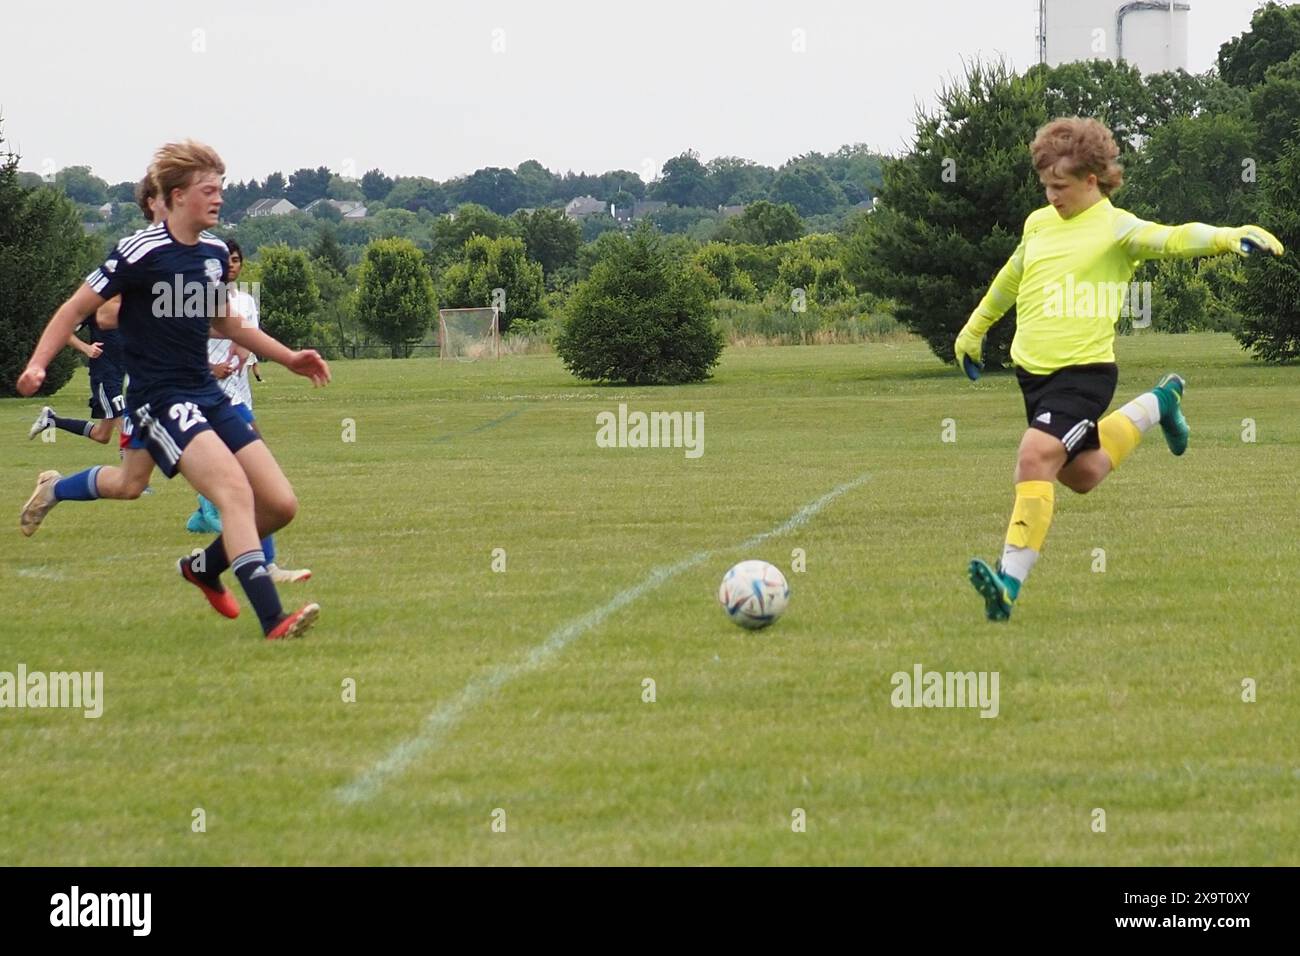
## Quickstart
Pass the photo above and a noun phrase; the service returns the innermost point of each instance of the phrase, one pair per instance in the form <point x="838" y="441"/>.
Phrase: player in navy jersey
<point x="172" y="277"/>
<point x="104" y="350"/>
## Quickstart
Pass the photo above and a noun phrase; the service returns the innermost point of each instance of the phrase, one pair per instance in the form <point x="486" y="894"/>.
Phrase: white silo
<point x="1149" y="34"/>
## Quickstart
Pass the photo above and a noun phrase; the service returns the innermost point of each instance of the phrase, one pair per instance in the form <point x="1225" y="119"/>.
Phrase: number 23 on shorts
<point x="187" y="414"/>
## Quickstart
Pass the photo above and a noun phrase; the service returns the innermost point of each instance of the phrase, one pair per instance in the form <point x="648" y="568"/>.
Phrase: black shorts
<point x="106" y="399"/>
<point x="167" y="427"/>
<point x="1068" y="403"/>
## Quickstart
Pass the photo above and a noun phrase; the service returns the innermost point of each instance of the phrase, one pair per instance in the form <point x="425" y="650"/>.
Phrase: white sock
<point x="1143" y="411"/>
<point x="1018" y="562"/>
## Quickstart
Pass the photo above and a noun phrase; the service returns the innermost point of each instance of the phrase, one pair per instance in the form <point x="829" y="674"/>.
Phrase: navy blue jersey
<point x="110" y="339"/>
<point x="170" y="294"/>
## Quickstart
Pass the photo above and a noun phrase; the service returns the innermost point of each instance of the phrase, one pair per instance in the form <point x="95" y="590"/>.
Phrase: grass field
<point x="479" y="691"/>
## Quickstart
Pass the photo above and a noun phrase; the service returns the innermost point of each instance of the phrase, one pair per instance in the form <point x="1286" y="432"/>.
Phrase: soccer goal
<point x="469" y="334"/>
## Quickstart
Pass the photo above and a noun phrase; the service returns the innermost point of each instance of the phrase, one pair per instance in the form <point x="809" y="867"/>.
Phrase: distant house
<point x="623" y="213"/>
<point x="642" y="208"/>
<point x="348" y="208"/>
<point x="106" y="210"/>
<point x="270" y="207"/>
<point x="867" y="205"/>
<point x="729" y="212"/>
<point x="584" y="206"/>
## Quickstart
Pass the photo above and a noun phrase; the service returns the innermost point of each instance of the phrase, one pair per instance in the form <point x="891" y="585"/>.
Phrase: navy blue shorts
<point x="167" y="427"/>
<point x="106" y="399"/>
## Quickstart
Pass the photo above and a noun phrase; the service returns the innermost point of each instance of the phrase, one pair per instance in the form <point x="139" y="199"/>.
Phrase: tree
<point x="44" y="255"/>
<point x="765" y="224"/>
<point x="394" y="299"/>
<point x="274" y="187"/>
<point x="536" y="182"/>
<point x="344" y="190"/>
<point x="327" y="213"/>
<point x="719" y="261"/>
<point x="414" y="193"/>
<point x="807" y="188"/>
<point x="1269" y="298"/>
<point x="497" y="189"/>
<point x="308" y="185"/>
<point x="734" y="180"/>
<point x="450" y="233"/>
<point x="685" y="181"/>
<point x="327" y="250"/>
<point x="1273" y="37"/>
<point x="1275" y="107"/>
<point x="1191" y="171"/>
<point x="551" y="238"/>
<point x="953" y="207"/>
<point x="640" y="318"/>
<point x="81" y="185"/>
<point x="375" y="185"/>
<point x="488" y="265"/>
<point x="289" y="297"/>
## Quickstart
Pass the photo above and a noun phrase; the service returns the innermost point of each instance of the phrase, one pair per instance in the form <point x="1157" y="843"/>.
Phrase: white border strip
<point x="442" y="719"/>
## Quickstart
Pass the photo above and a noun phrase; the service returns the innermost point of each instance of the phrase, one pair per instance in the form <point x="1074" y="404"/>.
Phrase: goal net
<point x="469" y="334"/>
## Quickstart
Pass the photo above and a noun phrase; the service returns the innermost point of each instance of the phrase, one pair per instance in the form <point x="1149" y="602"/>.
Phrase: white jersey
<point x="236" y="386"/>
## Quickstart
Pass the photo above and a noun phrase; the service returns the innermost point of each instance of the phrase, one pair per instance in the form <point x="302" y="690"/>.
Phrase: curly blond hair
<point x="1084" y="145"/>
<point x="176" y="164"/>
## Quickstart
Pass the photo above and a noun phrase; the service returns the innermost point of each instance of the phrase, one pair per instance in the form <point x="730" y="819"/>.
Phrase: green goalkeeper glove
<point x="969" y="347"/>
<point x="1244" y="240"/>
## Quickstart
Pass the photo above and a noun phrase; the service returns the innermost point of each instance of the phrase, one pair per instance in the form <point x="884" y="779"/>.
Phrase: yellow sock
<point x="1032" y="515"/>
<point x="1119" y="436"/>
<point x="1030" y="519"/>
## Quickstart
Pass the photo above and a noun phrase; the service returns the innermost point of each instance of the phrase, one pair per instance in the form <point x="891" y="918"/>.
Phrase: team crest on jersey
<point x="212" y="269"/>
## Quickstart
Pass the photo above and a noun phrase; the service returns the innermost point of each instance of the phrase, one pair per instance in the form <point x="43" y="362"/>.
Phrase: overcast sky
<point x="444" y="87"/>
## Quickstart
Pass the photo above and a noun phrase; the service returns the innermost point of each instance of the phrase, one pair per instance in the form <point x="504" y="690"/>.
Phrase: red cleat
<point x="295" y="624"/>
<point x="223" y="602"/>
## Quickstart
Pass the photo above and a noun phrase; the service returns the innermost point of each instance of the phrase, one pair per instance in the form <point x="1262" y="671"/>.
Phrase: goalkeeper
<point x="1062" y="279"/>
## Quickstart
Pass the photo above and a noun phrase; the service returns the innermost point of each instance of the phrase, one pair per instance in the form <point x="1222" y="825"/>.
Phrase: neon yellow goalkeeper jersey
<point x="1069" y="280"/>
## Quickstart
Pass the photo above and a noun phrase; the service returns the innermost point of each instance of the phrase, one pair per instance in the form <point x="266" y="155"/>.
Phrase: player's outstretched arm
<point x="1151" y="240"/>
<point x="995" y="304"/>
<point x="69" y="315"/>
<point x="305" y="362"/>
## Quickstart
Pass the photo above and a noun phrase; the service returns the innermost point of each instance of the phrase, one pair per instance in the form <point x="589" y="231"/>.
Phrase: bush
<point x="1269" y="296"/>
<point x="641" y="318"/>
<point x="44" y="254"/>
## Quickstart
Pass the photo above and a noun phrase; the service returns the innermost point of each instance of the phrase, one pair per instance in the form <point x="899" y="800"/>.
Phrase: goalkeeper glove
<point x="1244" y="240"/>
<point x="969" y="346"/>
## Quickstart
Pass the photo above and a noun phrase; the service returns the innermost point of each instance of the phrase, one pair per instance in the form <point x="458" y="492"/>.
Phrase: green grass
<point x="1119" y="690"/>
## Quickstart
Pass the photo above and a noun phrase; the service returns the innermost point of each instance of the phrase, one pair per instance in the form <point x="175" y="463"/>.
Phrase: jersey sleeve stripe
<point x="97" y="280"/>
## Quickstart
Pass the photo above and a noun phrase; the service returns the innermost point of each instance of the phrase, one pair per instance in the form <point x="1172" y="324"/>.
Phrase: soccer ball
<point x="754" y="594"/>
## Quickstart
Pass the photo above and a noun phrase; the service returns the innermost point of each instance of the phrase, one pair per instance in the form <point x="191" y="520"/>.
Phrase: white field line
<point x="446" y="716"/>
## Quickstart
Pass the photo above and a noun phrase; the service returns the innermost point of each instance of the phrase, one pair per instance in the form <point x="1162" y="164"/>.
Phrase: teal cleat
<point x="998" y="590"/>
<point x="205" y="519"/>
<point x="1169" y="393"/>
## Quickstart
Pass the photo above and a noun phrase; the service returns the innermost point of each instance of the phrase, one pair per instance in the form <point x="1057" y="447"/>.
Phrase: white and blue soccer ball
<point x="754" y="594"/>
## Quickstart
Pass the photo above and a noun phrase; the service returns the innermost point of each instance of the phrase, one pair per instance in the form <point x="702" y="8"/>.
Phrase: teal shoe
<point x="998" y="590"/>
<point x="197" y="523"/>
<point x="210" y="514"/>
<point x="1169" y="393"/>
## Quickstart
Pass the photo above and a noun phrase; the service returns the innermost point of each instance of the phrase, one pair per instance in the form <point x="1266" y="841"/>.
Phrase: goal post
<point x="469" y="334"/>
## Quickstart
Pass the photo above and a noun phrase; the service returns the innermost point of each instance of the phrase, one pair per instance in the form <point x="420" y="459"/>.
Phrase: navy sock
<point x="78" y="487"/>
<point x="211" y="561"/>
<point x="250" y="568"/>
<point x="78" y="426"/>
